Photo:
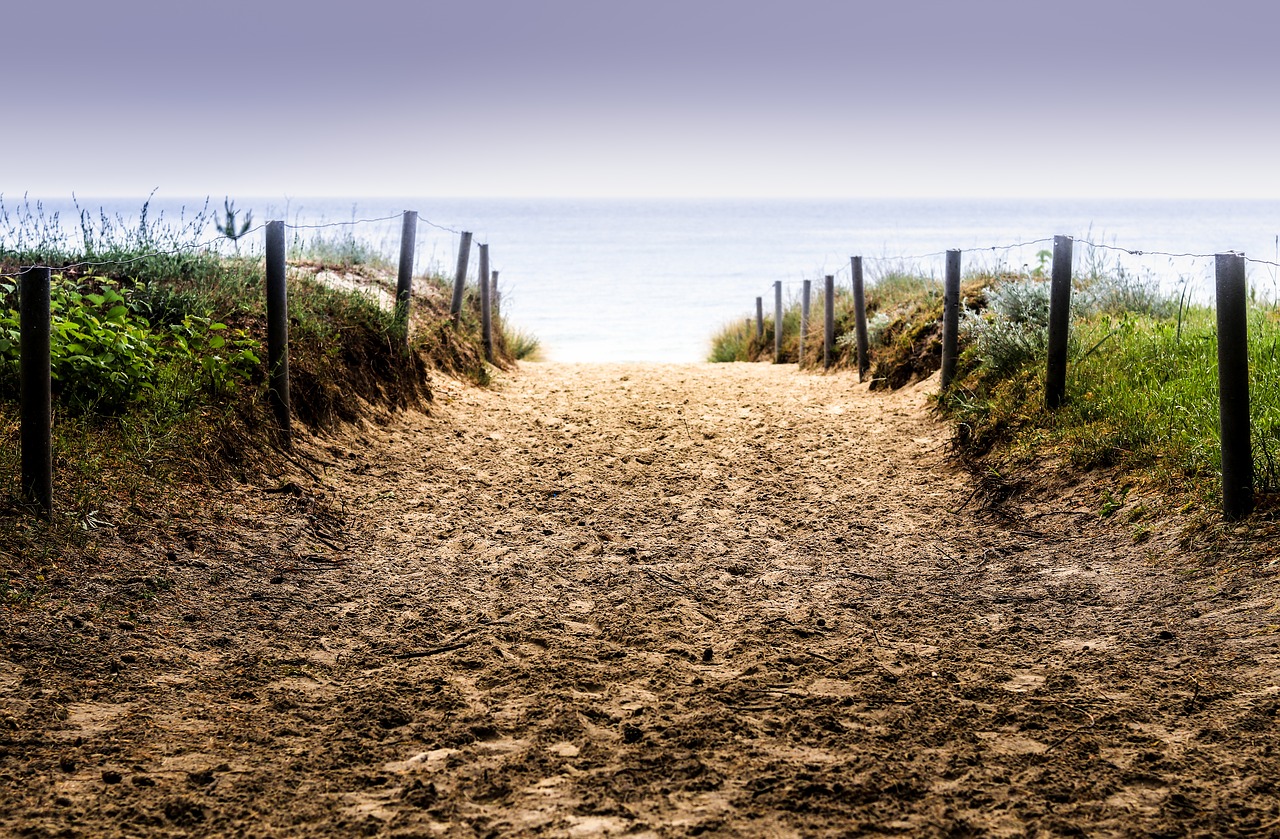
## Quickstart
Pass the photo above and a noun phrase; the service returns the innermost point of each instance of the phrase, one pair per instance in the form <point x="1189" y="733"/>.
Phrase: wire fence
<point x="1231" y="300"/>
<point x="216" y="244"/>
<point x="36" y="323"/>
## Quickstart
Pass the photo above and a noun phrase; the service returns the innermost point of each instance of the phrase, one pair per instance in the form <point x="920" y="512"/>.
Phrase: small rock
<point x="631" y="734"/>
<point x="142" y="781"/>
<point x="564" y="749"/>
<point x="708" y="654"/>
<point x="126" y="626"/>
<point x="111" y="776"/>
<point x="202" y="778"/>
<point x="1165" y="635"/>
<point x="277" y="579"/>
<point x="67" y="764"/>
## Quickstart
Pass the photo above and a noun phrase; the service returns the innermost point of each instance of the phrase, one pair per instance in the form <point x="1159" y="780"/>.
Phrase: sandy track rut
<point x="679" y="600"/>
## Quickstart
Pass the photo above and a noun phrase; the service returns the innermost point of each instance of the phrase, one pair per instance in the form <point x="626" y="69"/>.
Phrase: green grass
<point x="1141" y="391"/>
<point x="1146" y="397"/>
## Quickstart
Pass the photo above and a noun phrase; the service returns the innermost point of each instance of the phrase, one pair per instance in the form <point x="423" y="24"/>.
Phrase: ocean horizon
<point x="652" y="279"/>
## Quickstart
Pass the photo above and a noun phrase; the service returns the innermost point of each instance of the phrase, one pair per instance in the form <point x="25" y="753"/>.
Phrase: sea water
<point x="652" y="280"/>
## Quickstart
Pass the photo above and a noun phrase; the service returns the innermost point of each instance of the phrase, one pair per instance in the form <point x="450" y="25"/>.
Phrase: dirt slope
<point x="644" y="600"/>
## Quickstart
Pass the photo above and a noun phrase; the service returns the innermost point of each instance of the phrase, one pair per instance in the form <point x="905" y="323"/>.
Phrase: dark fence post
<point x="486" y="313"/>
<point x="36" y="412"/>
<point x="1233" y="386"/>
<point x="404" y="279"/>
<point x="829" y="320"/>
<point x="1055" y="383"/>
<point x="804" y="319"/>
<point x="777" y="321"/>
<point x="278" y="329"/>
<point x="950" y="317"/>
<point x="460" y="278"/>
<point x="860" y="315"/>
<point x="760" y="319"/>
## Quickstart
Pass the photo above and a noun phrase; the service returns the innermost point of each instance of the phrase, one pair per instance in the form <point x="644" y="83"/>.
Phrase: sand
<point x="643" y="600"/>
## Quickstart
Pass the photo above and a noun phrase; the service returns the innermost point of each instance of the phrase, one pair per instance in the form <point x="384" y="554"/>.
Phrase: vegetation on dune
<point x="158" y="345"/>
<point x="903" y="311"/>
<point x="1142" y="387"/>
<point x="1141" y="382"/>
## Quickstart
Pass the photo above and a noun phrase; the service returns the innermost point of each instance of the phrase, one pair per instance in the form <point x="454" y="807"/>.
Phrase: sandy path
<point x="665" y="601"/>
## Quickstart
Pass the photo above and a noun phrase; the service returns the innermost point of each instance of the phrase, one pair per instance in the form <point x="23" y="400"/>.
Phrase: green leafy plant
<point x="101" y="356"/>
<point x="104" y="356"/>
<point x="224" y="356"/>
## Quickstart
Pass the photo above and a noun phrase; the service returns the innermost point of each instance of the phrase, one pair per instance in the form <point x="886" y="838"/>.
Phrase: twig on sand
<point x="454" y="643"/>
<point x="938" y="547"/>
<point x="818" y="656"/>
<point x="1074" y="731"/>
<point x="967" y="500"/>
<point x="457" y="642"/>
<point x="437" y="650"/>
<point x="303" y="467"/>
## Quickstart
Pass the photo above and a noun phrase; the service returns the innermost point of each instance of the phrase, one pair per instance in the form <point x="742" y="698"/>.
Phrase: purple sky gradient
<point x="562" y="97"/>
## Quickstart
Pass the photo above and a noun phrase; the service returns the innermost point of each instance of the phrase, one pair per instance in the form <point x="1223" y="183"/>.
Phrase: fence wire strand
<point x="351" y="223"/>
<point x="429" y="223"/>
<point x="1139" y="252"/>
<point x="1031" y="243"/>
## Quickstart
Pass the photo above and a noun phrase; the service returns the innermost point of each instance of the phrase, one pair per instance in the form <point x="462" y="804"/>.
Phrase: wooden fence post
<point x="1055" y="383"/>
<point x="1233" y="386"/>
<point x="36" y="390"/>
<point x="829" y="320"/>
<point x="760" y="319"/>
<point x="804" y="319"/>
<point x="860" y="316"/>
<point x="950" y="317"/>
<point x="460" y="278"/>
<point x="404" y="278"/>
<point x="777" y="321"/>
<point x="278" y="329"/>
<point x="486" y="312"/>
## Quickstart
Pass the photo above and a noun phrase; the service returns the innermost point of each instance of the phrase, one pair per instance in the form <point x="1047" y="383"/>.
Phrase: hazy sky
<point x="645" y="98"/>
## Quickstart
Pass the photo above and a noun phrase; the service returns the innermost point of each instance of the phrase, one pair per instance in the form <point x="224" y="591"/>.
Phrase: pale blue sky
<point x="520" y="97"/>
